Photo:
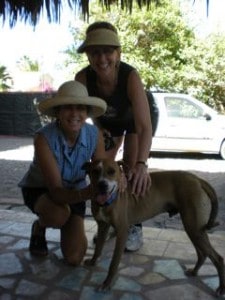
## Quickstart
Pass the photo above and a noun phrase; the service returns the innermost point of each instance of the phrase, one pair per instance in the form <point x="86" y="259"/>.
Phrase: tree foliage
<point x="213" y="71"/>
<point x="27" y="64"/>
<point x="5" y="79"/>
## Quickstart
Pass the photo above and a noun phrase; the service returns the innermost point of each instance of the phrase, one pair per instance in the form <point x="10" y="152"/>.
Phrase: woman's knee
<point x="51" y="214"/>
<point x="58" y="217"/>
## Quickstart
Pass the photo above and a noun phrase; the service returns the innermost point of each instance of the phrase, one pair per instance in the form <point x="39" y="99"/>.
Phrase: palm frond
<point x="30" y="11"/>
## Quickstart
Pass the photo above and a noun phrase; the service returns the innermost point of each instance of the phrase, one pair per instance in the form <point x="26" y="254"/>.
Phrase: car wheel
<point x="222" y="150"/>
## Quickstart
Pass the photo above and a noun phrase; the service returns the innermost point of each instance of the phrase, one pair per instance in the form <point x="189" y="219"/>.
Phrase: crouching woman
<point x="55" y="186"/>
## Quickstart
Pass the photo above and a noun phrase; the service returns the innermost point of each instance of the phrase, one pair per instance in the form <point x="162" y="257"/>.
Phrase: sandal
<point x="38" y="244"/>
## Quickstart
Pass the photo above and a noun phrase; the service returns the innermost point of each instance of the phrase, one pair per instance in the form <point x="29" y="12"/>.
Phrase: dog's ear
<point x="86" y="166"/>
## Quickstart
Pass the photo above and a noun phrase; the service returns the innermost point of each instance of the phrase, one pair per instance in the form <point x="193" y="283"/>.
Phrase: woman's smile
<point x="72" y="117"/>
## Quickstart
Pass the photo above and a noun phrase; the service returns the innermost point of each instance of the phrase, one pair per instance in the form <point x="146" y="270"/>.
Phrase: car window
<point x="182" y="108"/>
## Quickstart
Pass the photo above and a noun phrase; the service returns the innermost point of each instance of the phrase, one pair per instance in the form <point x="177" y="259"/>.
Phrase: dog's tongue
<point x="101" y="198"/>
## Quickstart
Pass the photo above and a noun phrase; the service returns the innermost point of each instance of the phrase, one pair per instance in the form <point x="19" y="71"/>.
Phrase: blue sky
<point x="47" y="41"/>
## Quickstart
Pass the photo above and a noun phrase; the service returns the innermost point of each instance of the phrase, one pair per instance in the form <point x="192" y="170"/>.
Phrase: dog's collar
<point x="110" y="200"/>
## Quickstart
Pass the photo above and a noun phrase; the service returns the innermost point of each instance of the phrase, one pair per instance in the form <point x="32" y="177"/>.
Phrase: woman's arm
<point x="142" y="143"/>
<point x="52" y="176"/>
<point x="141" y="112"/>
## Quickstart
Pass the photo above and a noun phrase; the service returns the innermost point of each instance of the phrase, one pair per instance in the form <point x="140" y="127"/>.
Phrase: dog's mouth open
<point x="101" y="198"/>
<point x="106" y="198"/>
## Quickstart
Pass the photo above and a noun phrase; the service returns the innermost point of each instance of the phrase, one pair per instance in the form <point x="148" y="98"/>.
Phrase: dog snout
<point x="102" y="186"/>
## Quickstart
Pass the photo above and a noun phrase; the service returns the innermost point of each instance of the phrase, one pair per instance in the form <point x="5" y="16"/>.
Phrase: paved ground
<point x="156" y="271"/>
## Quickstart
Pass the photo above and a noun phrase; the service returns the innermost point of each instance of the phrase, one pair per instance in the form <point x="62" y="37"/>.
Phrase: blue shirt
<point x="69" y="160"/>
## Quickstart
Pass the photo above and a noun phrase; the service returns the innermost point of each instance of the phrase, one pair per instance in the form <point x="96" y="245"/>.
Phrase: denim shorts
<point x="31" y="195"/>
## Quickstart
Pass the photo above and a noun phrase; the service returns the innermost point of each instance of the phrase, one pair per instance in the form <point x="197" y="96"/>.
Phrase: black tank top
<point x="119" y="111"/>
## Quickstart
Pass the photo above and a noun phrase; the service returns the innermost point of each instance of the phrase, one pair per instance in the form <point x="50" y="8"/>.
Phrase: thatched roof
<point x="30" y="11"/>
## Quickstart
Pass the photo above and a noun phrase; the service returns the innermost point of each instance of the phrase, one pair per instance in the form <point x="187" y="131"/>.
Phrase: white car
<point x="188" y="125"/>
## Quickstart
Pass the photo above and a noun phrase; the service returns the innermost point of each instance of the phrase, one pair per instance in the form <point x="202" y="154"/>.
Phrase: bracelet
<point x="142" y="163"/>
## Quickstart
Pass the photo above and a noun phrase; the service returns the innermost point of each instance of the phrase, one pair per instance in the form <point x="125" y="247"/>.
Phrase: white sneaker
<point x="134" y="239"/>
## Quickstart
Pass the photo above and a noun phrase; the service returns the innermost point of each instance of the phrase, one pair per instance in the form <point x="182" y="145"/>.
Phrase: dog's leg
<point x="200" y="261"/>
<point x="204" y="249"/>
<point x="121" y="237"/>
<point x="103" y="229"/>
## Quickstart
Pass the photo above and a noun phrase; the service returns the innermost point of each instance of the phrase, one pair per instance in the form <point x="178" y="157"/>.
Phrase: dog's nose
<point x="102" y="186"/>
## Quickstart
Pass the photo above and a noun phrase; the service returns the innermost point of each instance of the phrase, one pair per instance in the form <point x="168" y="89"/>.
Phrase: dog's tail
<point x="214" y="204"/>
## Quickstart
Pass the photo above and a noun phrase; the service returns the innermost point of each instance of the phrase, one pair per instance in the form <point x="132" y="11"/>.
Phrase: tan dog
<point x="172" y="192"/>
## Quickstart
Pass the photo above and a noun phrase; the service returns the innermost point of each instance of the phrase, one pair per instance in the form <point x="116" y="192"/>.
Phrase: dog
<point x="171" y="191"/>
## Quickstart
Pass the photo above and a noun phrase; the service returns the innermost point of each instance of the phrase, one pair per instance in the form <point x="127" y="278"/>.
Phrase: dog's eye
<point x="111" y="171"/>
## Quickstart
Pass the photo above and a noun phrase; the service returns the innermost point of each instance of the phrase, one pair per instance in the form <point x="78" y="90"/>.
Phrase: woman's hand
<point x="141" y="179"/>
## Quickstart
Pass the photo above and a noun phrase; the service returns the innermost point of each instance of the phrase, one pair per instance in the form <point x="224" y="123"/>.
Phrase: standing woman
<point x="127" y="117"/>
<point x="55" y="187"/>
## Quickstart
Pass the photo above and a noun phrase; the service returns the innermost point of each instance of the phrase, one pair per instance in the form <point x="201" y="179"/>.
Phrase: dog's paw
<point x="190" y="272"/>
<point x="104" y="287"/>
<point x="89" y="262"/>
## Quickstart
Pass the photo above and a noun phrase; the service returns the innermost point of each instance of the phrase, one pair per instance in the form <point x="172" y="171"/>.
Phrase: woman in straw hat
<point x="127" y="114"/>
<point x="55" y="186"/>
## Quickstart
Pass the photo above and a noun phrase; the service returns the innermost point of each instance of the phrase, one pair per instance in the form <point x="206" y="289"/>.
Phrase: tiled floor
<point x="156" y="271"/>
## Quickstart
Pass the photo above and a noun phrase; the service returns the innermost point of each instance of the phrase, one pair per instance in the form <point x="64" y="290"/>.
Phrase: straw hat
<point x="72" y="92"/>
<point x="100" y="37"/>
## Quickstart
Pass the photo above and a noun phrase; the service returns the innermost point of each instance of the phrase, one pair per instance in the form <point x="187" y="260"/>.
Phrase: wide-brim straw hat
<point x="100" y="37"/>
<point x="75" y="93"/>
